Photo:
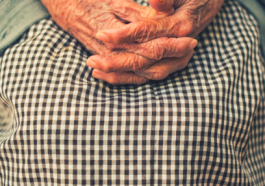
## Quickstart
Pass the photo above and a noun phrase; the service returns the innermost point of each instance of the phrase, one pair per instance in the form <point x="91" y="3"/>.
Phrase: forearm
<point x="60" y="10"/>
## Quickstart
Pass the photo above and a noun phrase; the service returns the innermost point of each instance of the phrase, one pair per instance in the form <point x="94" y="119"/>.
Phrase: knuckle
<point x="142" y="81"/>
<point x="147" y="30"/>
<point x="143" y="32"/>
<point x="135" y="63"/>
<point x="158" y="75"/>
<point x="113" y="80"/>
<point x="110" y="46"/>
<point x="182" y="65"/>
<point x="186" y="28"/>
<point x="159" y="49"/>
<point x="107" y="68"/>
<point x="140" y="34"/>
<point x="157" y="54"/>
<point x="135" y="79"/>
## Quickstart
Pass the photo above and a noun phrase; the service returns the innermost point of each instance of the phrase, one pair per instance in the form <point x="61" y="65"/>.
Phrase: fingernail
<point x="193" y="44"/>
<point x="102" y="36"/>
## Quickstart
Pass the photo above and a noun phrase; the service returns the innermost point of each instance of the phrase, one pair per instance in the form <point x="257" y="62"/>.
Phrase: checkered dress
<point x="204" y="125"/>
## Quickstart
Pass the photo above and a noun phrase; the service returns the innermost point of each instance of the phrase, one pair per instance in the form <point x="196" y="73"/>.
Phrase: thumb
<point x="161" y="5"/>
<point x="160" y="8"/>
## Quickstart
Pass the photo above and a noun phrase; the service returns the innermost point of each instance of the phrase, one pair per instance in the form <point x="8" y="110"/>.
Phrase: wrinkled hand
<point x="83" y="19"/>
<point x="188" y="20"/>
<point x="168" y="55"/>
<point x="162" y="5"/>
<point x="129" y="70"/>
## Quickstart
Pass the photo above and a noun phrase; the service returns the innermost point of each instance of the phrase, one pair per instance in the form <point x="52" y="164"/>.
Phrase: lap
<point x="201" y="125"/>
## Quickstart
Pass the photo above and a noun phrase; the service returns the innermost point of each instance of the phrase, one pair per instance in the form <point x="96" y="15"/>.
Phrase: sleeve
<point x="257" y="9"/>
<point x="262" y="2"/>
<point x="16" y="16"/>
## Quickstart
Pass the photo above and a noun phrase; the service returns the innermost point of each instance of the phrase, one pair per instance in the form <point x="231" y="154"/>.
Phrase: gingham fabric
<point x="204" y="125"/>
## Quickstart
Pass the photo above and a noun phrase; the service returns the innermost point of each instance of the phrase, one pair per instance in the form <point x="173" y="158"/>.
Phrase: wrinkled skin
<point x="136" y="63"/>
<point x="188" y="20"/>
<point x="84" y="18"/>
<point x="121" y="62"/>
<point x="162" y="5"/>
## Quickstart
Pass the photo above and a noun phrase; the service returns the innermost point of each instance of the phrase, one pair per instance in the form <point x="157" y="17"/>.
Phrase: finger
<point x="164" y="67"/>
<point x="118" y="78"/>
<point x="135" y="12"/>
<point x="119" y="62"/>
<point x="161" y="5"/>
<point x="164" y="47"/>
<point x="160" y="9"/>
<point x="92" y="44"/>
<point x="85" y="34"/>
<point x="158" y="71"/>
<point x="143" y="56"/>
<point x="130" y="11"/>
<point x="177" y="25"/>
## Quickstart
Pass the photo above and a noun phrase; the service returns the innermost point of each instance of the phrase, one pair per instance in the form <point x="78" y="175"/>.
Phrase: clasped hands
<point x="134" y="44"/>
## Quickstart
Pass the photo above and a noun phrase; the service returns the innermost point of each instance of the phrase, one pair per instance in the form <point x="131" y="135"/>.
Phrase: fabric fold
<point x="257" y="9"/>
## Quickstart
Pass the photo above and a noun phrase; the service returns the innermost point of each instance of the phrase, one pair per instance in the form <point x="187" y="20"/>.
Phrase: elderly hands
<point x="131" y="58"/>
<point x="189" y="19"/>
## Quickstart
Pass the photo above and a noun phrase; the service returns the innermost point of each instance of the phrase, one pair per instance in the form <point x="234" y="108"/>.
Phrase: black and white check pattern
<point x="202" y="126"/>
